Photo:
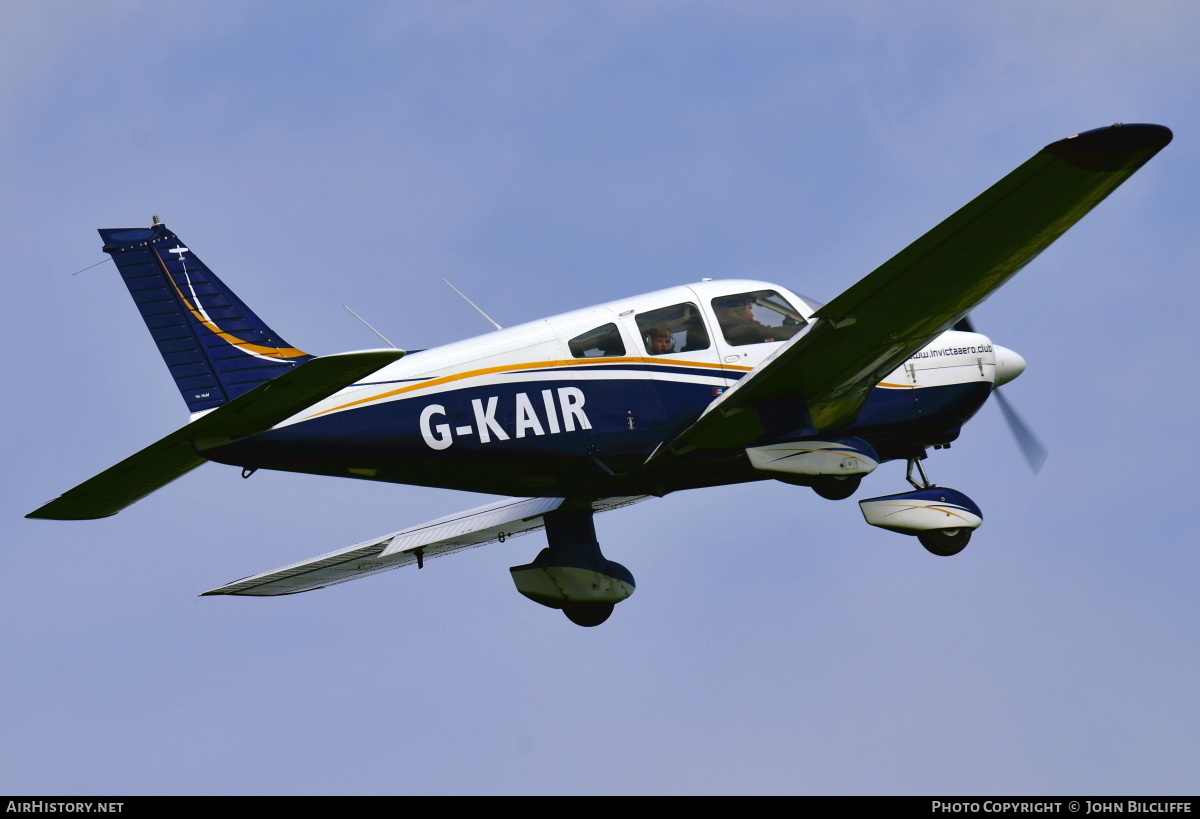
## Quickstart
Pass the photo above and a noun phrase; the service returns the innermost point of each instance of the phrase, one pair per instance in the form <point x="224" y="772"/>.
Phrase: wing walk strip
<point x="498" y="521"/>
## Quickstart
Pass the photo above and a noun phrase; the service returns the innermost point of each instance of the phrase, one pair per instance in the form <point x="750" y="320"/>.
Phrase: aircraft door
<point x="614" y="392"/>
<point x="680" y="357"/>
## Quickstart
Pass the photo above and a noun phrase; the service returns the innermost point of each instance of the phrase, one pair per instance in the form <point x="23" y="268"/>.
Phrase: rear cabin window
<point x="603" y="342"/>
<point x="756" y="317"/>
<point x="674" y="329"/>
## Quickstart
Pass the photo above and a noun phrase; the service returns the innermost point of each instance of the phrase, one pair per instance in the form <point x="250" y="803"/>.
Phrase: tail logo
<point x="273" y="354"/>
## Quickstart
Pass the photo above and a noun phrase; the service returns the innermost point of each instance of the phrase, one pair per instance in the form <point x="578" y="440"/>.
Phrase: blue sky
<point x="543" y="157"/>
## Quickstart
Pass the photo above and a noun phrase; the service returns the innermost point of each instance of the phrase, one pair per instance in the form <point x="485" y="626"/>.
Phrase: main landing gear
<point x="836" y="487"/>
<point x="941" y="518"/>
<point x="571" y="573"/>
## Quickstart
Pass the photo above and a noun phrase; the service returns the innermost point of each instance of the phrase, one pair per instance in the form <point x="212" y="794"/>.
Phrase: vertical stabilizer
<point x="214" y="345"/>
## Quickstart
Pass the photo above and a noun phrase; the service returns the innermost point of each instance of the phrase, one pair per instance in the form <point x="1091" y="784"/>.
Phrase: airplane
<point x="705" y="384"/>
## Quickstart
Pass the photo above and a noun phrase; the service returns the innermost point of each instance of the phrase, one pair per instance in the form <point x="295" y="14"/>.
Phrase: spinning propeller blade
<point x="1035" y="454"/>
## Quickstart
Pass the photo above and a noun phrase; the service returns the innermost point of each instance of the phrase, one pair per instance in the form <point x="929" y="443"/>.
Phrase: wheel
<point x="945" y="542"/>
<point x="836" y="487"/>
<point x="587" y="614"/>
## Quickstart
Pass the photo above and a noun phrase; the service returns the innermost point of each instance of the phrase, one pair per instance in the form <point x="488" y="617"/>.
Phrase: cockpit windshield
<point x="756" y="317"/>
<point x="813" y="304"/>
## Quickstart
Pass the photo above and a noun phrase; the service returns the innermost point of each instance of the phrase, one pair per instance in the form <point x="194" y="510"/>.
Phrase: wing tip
<point x="1114" y="148"/>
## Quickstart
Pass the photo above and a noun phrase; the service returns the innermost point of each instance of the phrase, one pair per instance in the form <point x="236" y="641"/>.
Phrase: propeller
<point x="1035" y="454"/>
<point x="1031" y="448"/>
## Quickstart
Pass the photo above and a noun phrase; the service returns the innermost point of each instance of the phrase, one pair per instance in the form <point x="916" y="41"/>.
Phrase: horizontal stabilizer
<point x="177" y="454"/>
<point x="487" y="524"/>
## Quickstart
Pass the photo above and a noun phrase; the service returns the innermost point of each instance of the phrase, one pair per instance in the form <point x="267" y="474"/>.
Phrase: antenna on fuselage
<point x="473" y="304"/>
<point x="372" y="329"/>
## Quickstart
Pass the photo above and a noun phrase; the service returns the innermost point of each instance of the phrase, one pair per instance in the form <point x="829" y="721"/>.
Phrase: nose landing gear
<point x="941" y="518"/>
<point x="945" y="542"/>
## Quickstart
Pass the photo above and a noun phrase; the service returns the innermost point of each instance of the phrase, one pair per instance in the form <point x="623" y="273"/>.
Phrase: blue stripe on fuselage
<point x="665" y="367"/>
<point x="618" y="420"/>
<point x="510" y="421"/>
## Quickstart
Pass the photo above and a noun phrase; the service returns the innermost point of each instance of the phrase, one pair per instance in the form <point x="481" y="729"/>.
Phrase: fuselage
<point x="573" y="405"/>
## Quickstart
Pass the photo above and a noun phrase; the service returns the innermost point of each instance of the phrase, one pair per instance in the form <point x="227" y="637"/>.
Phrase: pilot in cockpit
<point x="742" y="325"/>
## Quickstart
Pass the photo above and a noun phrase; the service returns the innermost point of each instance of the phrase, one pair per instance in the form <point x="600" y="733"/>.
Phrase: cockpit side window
<point x="602" y="342"/>
<point x="675" y="329"/>
<point x="756" y="317"/>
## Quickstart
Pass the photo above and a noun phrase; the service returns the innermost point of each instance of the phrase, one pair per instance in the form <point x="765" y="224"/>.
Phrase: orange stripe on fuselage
<point x="533" y="365"/>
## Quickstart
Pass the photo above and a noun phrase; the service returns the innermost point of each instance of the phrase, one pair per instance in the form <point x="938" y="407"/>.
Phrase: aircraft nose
<point x="1009" y="364"/>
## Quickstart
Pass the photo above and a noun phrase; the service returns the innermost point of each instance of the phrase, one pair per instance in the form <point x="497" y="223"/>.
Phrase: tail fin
<point x="214" y="345"/>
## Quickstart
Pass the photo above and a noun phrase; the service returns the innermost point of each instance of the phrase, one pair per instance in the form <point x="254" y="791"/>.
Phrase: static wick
<point x="90" y="266"/>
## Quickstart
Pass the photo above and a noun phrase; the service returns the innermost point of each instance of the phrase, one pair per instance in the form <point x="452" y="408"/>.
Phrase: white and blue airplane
<point x="711" y="383"/>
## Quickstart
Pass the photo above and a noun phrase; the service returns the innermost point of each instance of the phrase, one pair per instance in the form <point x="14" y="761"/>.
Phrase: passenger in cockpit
<point x="659" y="341"/>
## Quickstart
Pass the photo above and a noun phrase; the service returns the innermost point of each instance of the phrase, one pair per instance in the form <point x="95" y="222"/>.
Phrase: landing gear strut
<point x="924" y="484"/>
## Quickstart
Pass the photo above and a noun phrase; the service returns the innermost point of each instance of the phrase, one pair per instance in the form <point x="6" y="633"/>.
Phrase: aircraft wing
<point x="177" y="454"/>
<point x="487" y="524"/>
<point x="872" y="328"/>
